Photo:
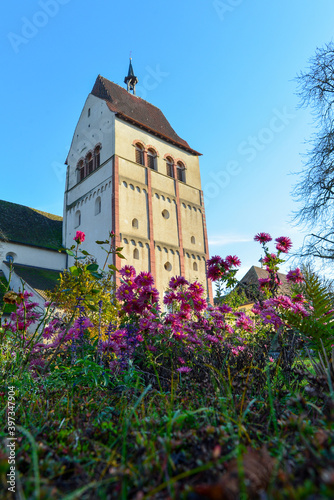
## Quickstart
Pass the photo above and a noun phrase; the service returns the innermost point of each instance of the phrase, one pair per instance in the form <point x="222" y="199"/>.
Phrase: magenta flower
<point x="283" y="244"/>
<point x="262" y="237"/>
<point x="214" y="273"/>
<point x="233" y="260"/>
<point x="79" y="237"/>
<point x="144" y="279"/>
<point x="128" y="272"/>
<point x="184" y="369"/>
<point x="295" y="276"/>
<point x="269" y="317"/>
<point x="177" y="281"/>
<point x="214" y="260"/>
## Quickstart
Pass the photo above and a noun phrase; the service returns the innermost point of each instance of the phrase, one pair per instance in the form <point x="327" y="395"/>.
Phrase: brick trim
<point x="150" y="222"/>
<point x="179" y="223"/>
<point x="115" y="213"/>
<point x="206" y="246"/>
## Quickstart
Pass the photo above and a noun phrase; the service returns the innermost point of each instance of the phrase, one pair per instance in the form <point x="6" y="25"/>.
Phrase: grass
<point x="128" y="439"/>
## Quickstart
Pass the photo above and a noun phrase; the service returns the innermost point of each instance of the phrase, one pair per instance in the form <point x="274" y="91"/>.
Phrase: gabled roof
<point x="28" y="226"/>
<point x="138" y="111"/>
<point x="38" y="278"/>
<point x="255" y="273"/>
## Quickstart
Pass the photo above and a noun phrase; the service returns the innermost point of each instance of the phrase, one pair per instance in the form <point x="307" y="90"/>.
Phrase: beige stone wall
<point x="134" y="204"/>
<point x="126" y="134"/>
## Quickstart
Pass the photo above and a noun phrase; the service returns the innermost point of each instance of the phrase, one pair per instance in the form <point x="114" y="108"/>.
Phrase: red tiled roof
<point x="138" y="111"/>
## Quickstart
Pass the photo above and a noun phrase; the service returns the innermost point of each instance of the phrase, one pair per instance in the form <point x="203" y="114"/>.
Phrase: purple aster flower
<point x="283" y="244"/>
<point x="262" y="237"/>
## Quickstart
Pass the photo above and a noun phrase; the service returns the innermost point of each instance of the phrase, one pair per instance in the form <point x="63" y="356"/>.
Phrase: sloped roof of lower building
<point x="28" y="226"/>
<point x="40" y="279"/>
<point x="255" y="273"/>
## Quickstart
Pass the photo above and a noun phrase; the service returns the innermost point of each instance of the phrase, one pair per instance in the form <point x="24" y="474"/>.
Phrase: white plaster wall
<point x="98" y="128"/>
<point x="95" y="226"/>
<point x="17" y="286"/>
<point x="33" y="256"/>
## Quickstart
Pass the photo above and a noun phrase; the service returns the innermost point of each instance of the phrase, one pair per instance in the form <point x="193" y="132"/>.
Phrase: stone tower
<point x="129" y="172"/>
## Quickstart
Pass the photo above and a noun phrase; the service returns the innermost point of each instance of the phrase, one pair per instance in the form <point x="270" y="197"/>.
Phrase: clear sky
<point x="221" y="71"/>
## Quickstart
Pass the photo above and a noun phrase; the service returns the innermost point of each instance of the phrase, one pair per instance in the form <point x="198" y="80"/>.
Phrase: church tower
<point x="129" y="172"/>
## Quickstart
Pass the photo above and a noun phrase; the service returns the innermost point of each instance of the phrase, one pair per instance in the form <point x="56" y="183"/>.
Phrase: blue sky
<point x="221" y="71"/>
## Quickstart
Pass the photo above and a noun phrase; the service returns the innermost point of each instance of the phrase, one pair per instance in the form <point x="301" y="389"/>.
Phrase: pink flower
<point x="233" y="260"/>
<point x="128" y="272"/>
<point x="144" y="279"/>
<point x="177" y="281"/>
<point x="283" y="244"/>
<point x="269" y="317"/>
<point x="271" y="359"/>
<point x="79" y="237"/>
<point x="295" y="276"/>
<point x="262" y="237"/>
<point x="184" y="369"/>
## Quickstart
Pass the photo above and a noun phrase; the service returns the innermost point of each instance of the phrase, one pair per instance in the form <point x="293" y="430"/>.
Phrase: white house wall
<point x="33" y="256"/>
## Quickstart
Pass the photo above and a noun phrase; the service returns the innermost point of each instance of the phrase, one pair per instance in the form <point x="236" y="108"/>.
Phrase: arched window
<point x="181" y="171"/>
<point x="97" y="156"/>
<point x="89" y="163"/>
<point x="81" y="170"/>
<point x="88" y="112"/>
<point x="170" y="167"/>
<point x="10" y="257"/>
<point x="98" y="205"/>
<point x="139" y="154"/>
<point x="136" y="254"/>
<point x="192" y="239"/>
<point x="195" y="266"/>
<point x="135" y="223"/>
<point x="152" y="159"/>
<point x="77" y="217"/>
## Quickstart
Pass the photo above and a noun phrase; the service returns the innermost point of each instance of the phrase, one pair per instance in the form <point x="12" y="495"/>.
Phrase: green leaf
<point x="96" y="275"/>
<point x="92" y="307"/>
<point x="100" y="242"/>
<point x="120" y="255"/>
<point x="85" y="252"/>
<point x="69" y="252"/>
<point x="111" y="266"/>
<point x="75" y="271"/>
<point x="92" y="267"/>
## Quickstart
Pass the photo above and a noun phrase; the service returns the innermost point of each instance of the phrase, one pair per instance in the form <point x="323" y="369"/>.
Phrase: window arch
<point x="139" y="154"/>
<point x="98" y="205"/>
<point x="136" y="254"/>
<point x="81" y="170"/>
<point x="152" y="159"/>
<point x="181" y="171"/>
<point x="89" y="163"/>
<point x="195" y="266"/>
<point x="10" y="257"/>
<point x="97" y="157"/>
<point x="170" y="166"/>
<point x="192" y="239"/>
<point x="135" y="224"/>
<point x="77" y="218"/>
